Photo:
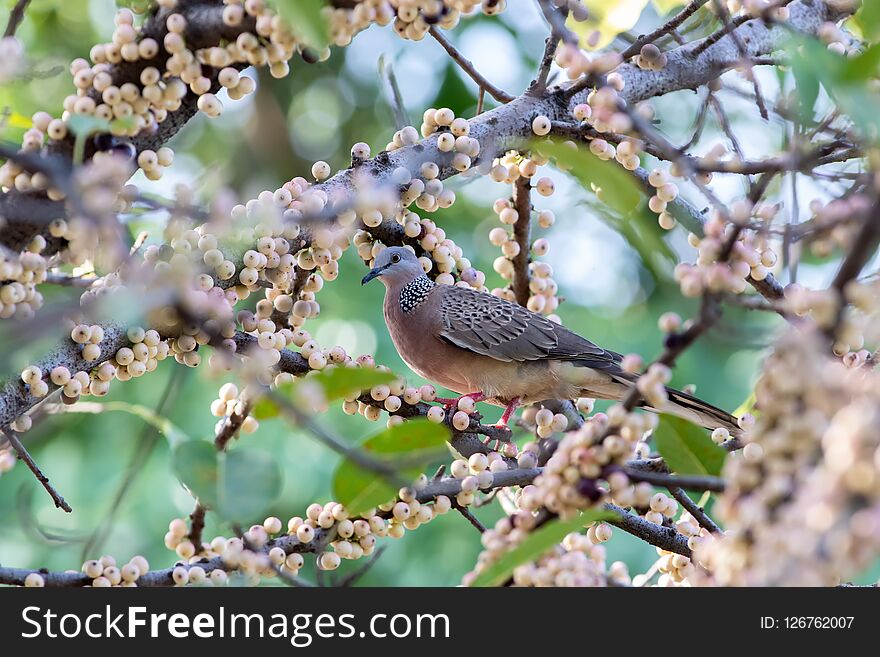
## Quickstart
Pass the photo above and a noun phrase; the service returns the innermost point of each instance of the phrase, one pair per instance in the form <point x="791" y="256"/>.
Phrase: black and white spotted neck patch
<point x="415" y="292"/>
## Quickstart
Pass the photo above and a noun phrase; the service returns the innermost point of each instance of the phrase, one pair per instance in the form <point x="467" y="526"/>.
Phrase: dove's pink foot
<point x="505" y="418"/>
<point x="508" y="412"/>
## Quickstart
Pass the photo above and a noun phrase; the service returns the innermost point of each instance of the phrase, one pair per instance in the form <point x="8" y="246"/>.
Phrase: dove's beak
<point x="374" y="272"/>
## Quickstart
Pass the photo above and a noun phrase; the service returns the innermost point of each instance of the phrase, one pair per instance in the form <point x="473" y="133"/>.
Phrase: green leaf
<point x="335" y="383"/>
<point x="265" y="409"/>
<point x="239" y="485"/>
<point x="845" y="79"/>
<point x="86" y="124"/>
<point x="174" y="434"/>
<point x="686" y="448"/>
<point x="406" y="448"/>
<point x="644" y="235"/>
<point x="747" y="406"/>
<point x="612" y="183"/>
<point x="807" y="85"/>
<point x="83" y="126"/>
<point x="665" y="6"/>
<point x="195" y="464"/>
<point x="536" y="544"/>
<point x="607" y="20"/>
<point x="306" y="20"/>
<point x="250" y="482"/>
<point x="868" y="20"/>
<point x="341" y="382"/>
<point x="139" y="6"/>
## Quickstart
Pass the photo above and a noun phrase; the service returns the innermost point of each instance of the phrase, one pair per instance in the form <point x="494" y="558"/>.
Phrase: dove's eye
<point x="395" y="258"/>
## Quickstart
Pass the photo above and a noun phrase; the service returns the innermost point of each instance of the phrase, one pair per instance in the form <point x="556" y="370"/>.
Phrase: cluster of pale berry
<point x="579" y="560"/>
<point x="836" y="223"/>
<point x="674" y="570"/>
<point x="801" y="506"/>
<point x="749" y="256"/>
<point x="576" y="562"/>
<point x="232" y="403"/>
<point x="576" y="62"/>
<point x="773" y="9"/>
<point x="144" y="351"/>
<point x="650" y="58"/>
<point x="583" y="458"/>
<point x="545" y="423"/>
<point x="856" y="323"/>
<point x="665" y="192"/>
<point x="443" y="259"/>
<point x="98" y="187"/>
<point x="605" y="103"/>
<point x="452" y="137"/>
<point x="133" y="106"/>
<point x="837" y="40"/>
<point x="245" y="556"/>
<point x="391" y="397"/>
<point x="543" y="289"/>
<point x="19" y="276"/>
<point x="411" y="18"/>
<point x="677" y="569"/>
<point x="103" y="572"/>
<point x="264" y="550"/>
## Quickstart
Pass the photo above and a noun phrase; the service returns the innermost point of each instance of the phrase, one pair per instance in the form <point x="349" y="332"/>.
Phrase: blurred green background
<point x="615" y="278"/>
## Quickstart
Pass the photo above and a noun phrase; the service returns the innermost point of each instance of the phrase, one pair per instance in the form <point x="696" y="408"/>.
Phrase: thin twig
<point x="16" y="16"/>
<point x="539" y="85"/>
<point x="699" y="124"/>
<point x="395" y="97"/>
<point x="722" y="11"/>
<point x="23" y="454"/>
<point x="466" y="66"/>
<point x="555" y="17"/>
<point x="668" y="27"/>
<point x="694" y="509"/>
<point x="470" y="517"/>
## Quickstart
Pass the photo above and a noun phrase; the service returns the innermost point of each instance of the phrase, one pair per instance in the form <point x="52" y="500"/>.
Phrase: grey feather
<point x="506" y="331"/>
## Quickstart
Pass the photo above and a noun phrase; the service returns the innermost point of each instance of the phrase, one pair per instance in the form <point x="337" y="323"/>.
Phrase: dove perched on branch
<point x="492" y="350"/>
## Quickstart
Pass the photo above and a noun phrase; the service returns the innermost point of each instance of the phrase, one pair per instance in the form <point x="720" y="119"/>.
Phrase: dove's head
<point x="396" y="265"/>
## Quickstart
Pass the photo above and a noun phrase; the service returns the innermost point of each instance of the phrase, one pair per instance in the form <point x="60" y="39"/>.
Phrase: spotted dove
<point x="488" y="348"/>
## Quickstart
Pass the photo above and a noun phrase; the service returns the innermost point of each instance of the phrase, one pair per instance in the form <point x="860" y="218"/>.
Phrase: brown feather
<point x="506" y="331"/>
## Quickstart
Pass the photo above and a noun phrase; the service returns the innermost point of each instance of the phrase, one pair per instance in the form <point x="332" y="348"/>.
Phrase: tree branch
<point x="695" y="510"/>
<point x="522" y="203"/>
<point x="16" y="16"/>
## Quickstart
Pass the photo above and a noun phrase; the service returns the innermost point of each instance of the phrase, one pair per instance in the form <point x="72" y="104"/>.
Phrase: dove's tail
<point x="696" y="410"/>
<point x="614" y="383"/>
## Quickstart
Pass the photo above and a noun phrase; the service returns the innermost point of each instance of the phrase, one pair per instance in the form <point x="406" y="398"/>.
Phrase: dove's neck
<point x="414" y="293"/>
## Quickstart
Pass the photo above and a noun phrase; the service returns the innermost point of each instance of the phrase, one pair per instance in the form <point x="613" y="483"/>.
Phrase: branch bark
<point x="522" y="229"/>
